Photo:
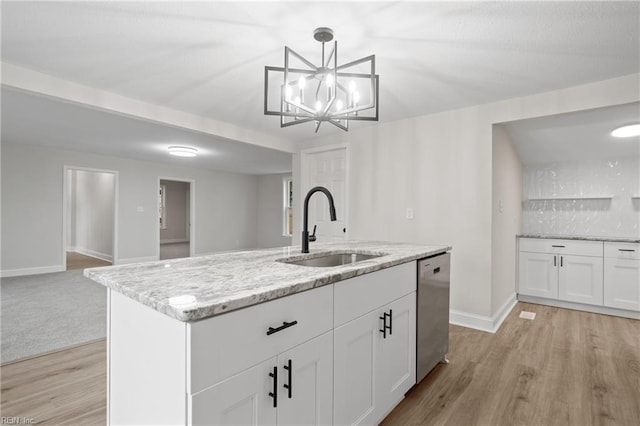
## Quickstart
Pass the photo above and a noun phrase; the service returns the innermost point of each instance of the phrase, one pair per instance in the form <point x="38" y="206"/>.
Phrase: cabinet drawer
<point x="559" y="246"/>
<point x="621" y="250"/>
<point x="357" y="296"/>
<point x="221" y="346"/>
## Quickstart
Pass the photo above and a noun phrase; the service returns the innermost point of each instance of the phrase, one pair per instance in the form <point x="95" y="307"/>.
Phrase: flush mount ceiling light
<point x="183" y="151"/>
<point x="627" y="131"/>
<point x="301" y="92"/>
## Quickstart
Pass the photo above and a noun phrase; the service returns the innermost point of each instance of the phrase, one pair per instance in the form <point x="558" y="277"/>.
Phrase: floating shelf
<point x="599" y="197"/>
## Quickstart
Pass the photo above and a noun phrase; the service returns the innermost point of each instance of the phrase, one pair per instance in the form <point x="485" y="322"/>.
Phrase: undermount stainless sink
<point x="331" y="259"/>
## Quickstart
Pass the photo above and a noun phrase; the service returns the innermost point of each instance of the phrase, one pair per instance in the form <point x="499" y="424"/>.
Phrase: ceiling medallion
<point x="304" y="92"/>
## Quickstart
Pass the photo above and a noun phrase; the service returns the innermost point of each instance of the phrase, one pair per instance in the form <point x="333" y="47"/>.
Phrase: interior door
<point x="328" y="169"/>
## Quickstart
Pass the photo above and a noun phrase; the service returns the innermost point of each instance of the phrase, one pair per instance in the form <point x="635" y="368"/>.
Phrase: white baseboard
<point x="174" y="240"/>
<point x="580" y="307"/>
<point x="93" y="253"/>
<point x="6" y="273"/>
<point x="135" y="260"/>
<point x="480" y="322"/>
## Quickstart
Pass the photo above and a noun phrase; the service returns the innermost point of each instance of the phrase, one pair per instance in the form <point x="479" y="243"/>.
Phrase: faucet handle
<point x="312" y="237"/>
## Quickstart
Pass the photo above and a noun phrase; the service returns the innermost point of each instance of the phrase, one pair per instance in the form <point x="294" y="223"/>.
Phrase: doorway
<point x="326" y="166"/>
<point x="89" y="226"/>
<point x="175" y="218"/>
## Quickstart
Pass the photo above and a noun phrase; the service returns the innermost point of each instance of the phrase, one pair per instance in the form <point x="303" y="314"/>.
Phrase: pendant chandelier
<point x="302" y="92"/>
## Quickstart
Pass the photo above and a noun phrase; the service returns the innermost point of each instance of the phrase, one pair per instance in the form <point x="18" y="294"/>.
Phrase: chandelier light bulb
<point x="288" y="91"/>
<point x="338" y="105"/>
<point x="297" y="100"/>
<point x="356" y="97"/>
<point x="352" y="86"/>
<point x="302" y="82"/>
<point x="329" y="80"/>
<point x="318" y="106"/>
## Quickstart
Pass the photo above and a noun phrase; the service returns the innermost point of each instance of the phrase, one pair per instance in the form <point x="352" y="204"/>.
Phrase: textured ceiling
<point x="208" y="58"/>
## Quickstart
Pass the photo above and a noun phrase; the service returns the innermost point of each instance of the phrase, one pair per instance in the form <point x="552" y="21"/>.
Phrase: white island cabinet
<point x="622" y="275"/>
<point x="341" y="353"/>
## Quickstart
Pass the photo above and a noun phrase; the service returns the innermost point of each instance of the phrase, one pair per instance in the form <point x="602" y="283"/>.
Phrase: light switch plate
<point x="409" y="213"/>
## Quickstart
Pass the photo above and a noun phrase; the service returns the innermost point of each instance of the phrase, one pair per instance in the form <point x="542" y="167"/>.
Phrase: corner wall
<point x="441" y="166"/>
<point x="271" y="211"/>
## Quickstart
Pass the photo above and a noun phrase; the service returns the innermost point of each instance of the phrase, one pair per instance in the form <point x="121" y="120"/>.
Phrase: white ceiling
<point x="208" y="58"/>
<point x="578" y="136"/>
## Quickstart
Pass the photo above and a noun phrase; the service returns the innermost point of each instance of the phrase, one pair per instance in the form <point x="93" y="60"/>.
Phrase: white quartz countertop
<point x="583" y="238"/>
<point x="195" y="288"/>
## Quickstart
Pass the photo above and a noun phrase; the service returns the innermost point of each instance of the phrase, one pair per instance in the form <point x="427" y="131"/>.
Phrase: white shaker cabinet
<point x="561" y="270"/>
<point x="293" y="388"/>
<point x="622" y="275"/>
<point x="374" y="354"/>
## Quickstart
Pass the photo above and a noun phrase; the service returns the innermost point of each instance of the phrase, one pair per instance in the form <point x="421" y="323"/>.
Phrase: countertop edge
<point x="580" y="238"/>
<point x="257" y="297"/>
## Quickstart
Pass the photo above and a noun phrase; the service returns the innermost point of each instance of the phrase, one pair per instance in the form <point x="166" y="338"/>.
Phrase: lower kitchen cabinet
<point x="294" y="388"/>
<point x="538" y="275"/>
<point x="622" y="276"/>
<point x="374" y="362"/>
<point x="580" y="279"/>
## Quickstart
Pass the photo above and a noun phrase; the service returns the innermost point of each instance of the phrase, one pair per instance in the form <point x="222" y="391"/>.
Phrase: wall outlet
<point x="409" y="213"/>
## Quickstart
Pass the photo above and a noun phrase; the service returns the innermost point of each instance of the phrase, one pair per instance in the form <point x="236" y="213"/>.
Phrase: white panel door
<point x="242" y="399"/>
<point x="622" y="283"/>
<point x="396" y="360"/>
<point x="538" y="275"/>
<point x="580" y="279"/>
<point x="328" y="169"/>
<point x="354" y="372"/>
<point x="305" y="396"/>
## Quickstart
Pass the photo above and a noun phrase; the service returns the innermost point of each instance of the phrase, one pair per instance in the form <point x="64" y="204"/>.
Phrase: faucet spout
<point x="305" y="220"/>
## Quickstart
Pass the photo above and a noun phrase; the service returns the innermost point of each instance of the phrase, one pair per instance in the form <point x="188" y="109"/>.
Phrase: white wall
<point x="175" y="212"/>
<point x="91" y="212"/>
<point x="441" y="166"/>
<point x="618" y="178"/>
<point x="505" y="218"/>
<point x="270" y="211"/>
<point x="32" y="180"/>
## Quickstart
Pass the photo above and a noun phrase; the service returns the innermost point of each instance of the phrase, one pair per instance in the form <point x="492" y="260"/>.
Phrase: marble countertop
<point x="195" y="288"/>
<point x="582" y="237"/>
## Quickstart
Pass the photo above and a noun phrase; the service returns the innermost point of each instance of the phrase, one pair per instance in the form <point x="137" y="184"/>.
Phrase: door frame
<point x="305" y="155"/>
<point x="192" y="213"/>
<point x="65" y="210"/>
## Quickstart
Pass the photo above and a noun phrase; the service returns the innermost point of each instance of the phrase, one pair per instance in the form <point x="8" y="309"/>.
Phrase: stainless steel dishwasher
<point x="432" y="328"/>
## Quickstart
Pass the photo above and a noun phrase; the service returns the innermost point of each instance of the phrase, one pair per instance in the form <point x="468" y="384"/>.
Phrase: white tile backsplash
<point x="617" y="216"/>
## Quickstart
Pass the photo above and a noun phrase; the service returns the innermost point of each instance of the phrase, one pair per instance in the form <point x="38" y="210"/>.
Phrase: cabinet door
<point x="538" y="274"/>
<point x="580" y="279"/>
<point x="396" y="355"/>
<point x="242" y="399"/>
<point x="305" y="396"/>
<point x="622" y="283"/>
<point x="354" y="372"/>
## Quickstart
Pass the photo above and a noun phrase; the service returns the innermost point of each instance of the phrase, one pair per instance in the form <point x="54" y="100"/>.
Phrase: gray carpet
<point x="41" y="313"/>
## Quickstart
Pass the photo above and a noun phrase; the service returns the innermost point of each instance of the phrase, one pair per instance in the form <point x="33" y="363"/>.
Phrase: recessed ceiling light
<point x="627" y="131"/>
<point x="183" y="151"/>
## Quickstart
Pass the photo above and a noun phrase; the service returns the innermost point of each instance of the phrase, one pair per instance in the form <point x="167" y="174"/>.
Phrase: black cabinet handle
<point x="561" y="265"/>
<point x="626" y="250"/>
<point x="385" y="327"/>
<point x="288" y="386"/>
<point x="557" y="246"/>
<point x="554" y="261"/>
<point x="274" y="394"/>
<point x="282" y="327"/>
<point x="391" y="321"/>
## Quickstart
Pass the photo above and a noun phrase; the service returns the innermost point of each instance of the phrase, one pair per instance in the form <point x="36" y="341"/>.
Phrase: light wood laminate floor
<point x="80" y="261"/>
<point x="563" y="368"/>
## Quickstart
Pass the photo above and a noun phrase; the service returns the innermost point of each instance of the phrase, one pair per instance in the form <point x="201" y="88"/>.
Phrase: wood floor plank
<point x="563" y="368"/>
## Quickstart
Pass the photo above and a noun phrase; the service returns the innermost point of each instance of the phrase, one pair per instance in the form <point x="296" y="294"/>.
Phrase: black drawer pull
<point x="626" y="250"/>
<point x="386" y="327"/>
<point x="282" y="327"/>
<point x="557" y="246"/>
<point x="436" y="270"/>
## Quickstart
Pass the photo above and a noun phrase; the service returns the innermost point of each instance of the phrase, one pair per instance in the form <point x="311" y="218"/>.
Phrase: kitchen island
<point x="248" y="337"/>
